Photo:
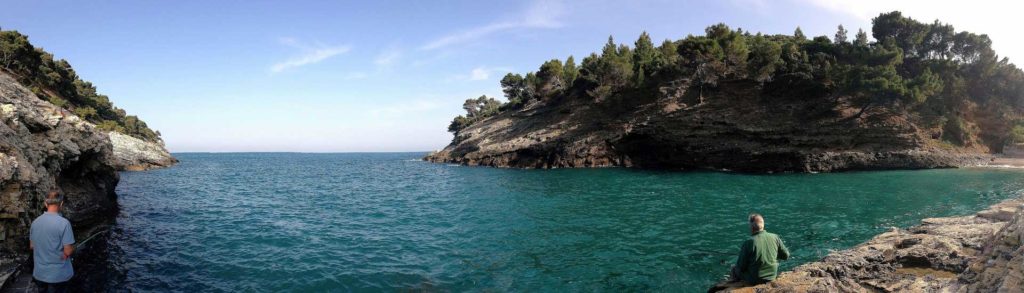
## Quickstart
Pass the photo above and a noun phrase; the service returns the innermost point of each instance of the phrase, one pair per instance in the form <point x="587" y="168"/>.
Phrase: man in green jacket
<point x="759" y="255"/>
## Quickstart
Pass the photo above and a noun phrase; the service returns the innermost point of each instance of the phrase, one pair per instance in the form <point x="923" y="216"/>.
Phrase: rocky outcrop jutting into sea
<point x="133" y="154"/>
<point x="976" y="253"/>
<point x="737" y="128"/>
<point x="43" y="147"/>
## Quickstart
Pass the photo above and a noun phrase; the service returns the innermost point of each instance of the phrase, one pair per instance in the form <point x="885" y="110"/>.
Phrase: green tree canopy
<point x="569" y="71"/>
<point x="551" y="78"/>
<point x="841" y="37"/>
<point x="798" y="34"/>
<point x="861" y="39"/>
<point x="926" y="71"/>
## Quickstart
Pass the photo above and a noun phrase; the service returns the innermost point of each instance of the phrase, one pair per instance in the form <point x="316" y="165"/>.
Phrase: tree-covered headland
<point x="54" y="80"/>
<point x="940" y="79"/>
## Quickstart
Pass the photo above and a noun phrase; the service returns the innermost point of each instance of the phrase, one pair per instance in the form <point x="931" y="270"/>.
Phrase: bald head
<point x="756" y="222"/>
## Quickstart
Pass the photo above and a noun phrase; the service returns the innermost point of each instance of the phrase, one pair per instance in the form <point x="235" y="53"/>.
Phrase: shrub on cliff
<point x="1017" y="134"/>
<point x="476" y="110"/>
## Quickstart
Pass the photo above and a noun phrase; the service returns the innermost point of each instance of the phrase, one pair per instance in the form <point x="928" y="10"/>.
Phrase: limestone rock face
<point x="978" y="253"/>
<point x="999" y="267"/>
<point x="739" y="128"/>
<point x="43" y="147"/>
<point x="134" y="154"/>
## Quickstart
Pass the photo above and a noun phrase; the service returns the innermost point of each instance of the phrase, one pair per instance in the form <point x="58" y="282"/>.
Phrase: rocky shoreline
<point x="977" y="253"/>
<point x="45" y="147"/>
<point x="796" y="162"/>
<point x="42" y="147"/>
<point x="734" y="129"/>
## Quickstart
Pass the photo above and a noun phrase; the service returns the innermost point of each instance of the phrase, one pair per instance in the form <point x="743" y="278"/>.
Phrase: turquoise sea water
<point x="388" y="222"/>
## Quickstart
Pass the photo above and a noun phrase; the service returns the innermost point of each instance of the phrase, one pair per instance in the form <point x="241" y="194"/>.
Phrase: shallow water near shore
<point x="387" y="222"/>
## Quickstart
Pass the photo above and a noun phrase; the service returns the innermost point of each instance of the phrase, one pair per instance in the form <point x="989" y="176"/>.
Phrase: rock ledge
<point x="133" y="154"/>
<point x="977" y="253"/>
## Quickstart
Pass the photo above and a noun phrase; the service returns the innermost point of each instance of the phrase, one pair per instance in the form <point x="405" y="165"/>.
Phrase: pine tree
<point x="799" y="34"/>
<point x="514" y="88"/>
<point x="841" y="35"/>
<point x="609" y="49"/>
<point x="862" y="38"/>
<point x="570" y="71"/>
<point x="669" y="56"/>
<point x="550" y="77"/>
<point x="644" y="56"/>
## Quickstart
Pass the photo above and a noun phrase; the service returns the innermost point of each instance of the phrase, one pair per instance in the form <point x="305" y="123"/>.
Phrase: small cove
<point x="372" y="222"/>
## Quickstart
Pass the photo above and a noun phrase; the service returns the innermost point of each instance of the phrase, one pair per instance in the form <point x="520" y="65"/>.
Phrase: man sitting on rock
<point x="51" y="242"/>
<point x="759" y="255"/>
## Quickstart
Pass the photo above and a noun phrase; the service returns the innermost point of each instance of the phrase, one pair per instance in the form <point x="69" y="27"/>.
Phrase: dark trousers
<point x="734" y="274"/>
<point x="44" y="287"/>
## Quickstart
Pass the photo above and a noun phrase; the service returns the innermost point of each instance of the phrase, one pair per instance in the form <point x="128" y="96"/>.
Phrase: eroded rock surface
<point x="977" y="253"/>
<point x="739" y="128"/>
<point x="43" y="147"/>
<point x="134" y="154"/>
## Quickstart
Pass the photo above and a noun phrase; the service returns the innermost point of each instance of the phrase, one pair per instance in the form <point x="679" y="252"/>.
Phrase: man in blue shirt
<point x="51" y="241"/>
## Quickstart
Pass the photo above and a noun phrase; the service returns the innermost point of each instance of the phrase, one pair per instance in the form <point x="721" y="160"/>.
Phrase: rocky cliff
<point x="923" y="95"/>
<point x="740" y="127"/>
<point x="136" y="146"/>
<point x="977" y="253"/>
<point x="133" y="154"/>
<point x="43" y="147"/>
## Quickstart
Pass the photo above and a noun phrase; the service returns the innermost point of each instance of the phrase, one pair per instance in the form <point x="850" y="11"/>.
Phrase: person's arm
<point x="744" y="259"/>
<point x="67" y="240"/>
<point x="68" y="250"/>
<point x="783" y="251"/>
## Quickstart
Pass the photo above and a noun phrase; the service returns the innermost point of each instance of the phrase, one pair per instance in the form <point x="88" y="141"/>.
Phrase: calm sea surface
<point x="388" y="222"/>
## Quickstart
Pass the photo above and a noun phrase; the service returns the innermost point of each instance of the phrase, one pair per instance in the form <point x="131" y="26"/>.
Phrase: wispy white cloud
<point x="479" y="73"/>
<point x="468" y="35"/>
<point x="310" y="54"/>
<point x="540" y="14"/>
<point x="980" y="16"/>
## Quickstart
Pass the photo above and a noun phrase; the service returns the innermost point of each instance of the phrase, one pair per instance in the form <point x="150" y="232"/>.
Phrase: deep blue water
<point x="388" y="222"/>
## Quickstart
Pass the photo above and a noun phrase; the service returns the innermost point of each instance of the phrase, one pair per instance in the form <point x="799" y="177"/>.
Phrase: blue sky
<point x="322" y="76"/>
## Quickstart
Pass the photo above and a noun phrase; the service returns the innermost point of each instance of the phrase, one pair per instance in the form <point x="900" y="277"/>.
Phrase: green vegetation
<point x="950" y="82"/>
<point x="476" y="110"/>
<point x="55" y="81"/>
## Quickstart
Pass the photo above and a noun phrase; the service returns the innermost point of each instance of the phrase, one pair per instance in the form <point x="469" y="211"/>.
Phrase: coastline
<point x="1004" y="162"/>
<point x="801" y="163"/>
<point x="974" y="253"/>
<point x="45" y="147"/>
<point x="863" y="236"/>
